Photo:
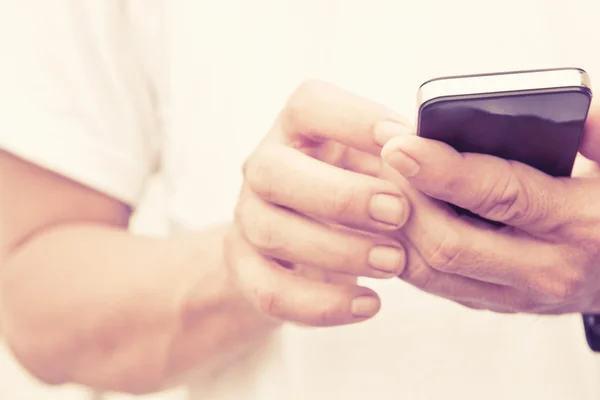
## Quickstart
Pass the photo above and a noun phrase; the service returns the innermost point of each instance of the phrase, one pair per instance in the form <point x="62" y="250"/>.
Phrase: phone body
<point x="535" y="117"/>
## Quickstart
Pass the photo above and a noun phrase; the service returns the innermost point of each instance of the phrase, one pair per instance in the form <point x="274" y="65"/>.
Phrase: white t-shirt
<point x="107" y="92"/>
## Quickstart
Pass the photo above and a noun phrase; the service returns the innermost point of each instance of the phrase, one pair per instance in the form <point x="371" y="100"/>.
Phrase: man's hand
<point x="546" y="260"/>
<point x="312" y="211"/>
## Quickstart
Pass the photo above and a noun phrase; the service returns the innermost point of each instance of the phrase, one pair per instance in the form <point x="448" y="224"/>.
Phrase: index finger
<point x="319" y="111"/>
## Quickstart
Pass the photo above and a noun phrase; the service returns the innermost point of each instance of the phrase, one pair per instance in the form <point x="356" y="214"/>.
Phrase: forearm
<point x="104" y="308"/>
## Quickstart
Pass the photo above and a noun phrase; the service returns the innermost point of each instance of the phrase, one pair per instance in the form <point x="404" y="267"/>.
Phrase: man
<point x="97" y="96"/>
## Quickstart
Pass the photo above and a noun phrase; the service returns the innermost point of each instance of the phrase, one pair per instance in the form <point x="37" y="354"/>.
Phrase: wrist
<point x="217" y="325"/>
<point x="214" y="288"/>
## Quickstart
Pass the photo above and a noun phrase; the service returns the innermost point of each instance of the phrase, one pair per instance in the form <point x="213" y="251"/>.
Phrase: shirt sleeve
<point x="73" y="96"/>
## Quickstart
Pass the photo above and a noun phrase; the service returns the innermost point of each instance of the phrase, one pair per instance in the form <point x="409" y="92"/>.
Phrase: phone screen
<point x="540" y="129"/>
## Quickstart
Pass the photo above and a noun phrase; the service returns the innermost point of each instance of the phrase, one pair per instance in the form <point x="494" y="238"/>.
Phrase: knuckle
<point x="245" y="208"/>
<point x="340" y="259"/>
<point x="568" y="287"/>
<point x="419" y="275"/>
<point x="241" y="209"/>
<point x="308" y="90"/>
<point x="256" y="169"/>
<point x="341" y="201"/>
<point x="262" y="231"/>
<point x="265" y="235"/>
<point x="295" y="112"/>
<point x="426" y="281"/>
<point x="559" y="292"/>
<point x="268" y="302"/>
<point x="503" y="199"/>
<point x="325" y="317"/>
<point x="586" y="255"/>
<point x="445" y="253"/>
<point x="261" y="173"/>
<point x="563" y="286"/>
<point x="454" y="185"/>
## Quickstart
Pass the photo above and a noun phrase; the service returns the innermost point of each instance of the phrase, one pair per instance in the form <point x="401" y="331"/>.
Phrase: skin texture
<point x="544" y="261"/>
<point x="117" y="311"/>
<point x="319" y="207"/>
<point x="129" y="313"/>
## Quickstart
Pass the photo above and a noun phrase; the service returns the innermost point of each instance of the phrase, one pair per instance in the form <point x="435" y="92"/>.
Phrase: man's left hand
<point x="546" y="259"/>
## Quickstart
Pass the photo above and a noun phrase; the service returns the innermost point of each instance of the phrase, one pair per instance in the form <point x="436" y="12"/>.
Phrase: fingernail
<point x="388" y="209"/>
<point x="402" y="163"/>
<point x="387" y="259"/>
<point x="365" y="306"/>
<point x="386" y="130"/>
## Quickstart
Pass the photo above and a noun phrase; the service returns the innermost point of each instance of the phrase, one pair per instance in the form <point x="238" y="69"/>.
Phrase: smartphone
<point x="535" y="117"/>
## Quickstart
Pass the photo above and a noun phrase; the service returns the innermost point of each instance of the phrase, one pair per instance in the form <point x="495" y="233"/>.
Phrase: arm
<point x="84" y="301"/>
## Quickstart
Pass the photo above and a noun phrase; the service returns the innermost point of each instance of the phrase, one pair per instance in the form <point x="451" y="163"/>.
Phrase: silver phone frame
<point x="503" y="82"/>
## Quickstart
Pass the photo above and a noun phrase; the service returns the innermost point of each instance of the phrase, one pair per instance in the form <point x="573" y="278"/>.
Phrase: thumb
<point x="496" y="189"/>
<point x="590" y="142"/>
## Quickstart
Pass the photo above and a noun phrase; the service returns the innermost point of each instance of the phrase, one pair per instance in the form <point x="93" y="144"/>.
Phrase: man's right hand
<point x="313" y="212"/>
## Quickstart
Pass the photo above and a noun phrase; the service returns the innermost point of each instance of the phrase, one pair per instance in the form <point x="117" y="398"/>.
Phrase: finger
<point x="287" y="236"/>
<point x="346" y="158"/>
<point x="321" y="111"/>
<point x="291" y="179"/>
<point x="460" y="245"/>
<point x="590" y="142"/>
<point x="324" y="276"/>
<point x="463" y="246"/>
<point x="362" y="163"/>
<point x="585" y="168"/>
<point x="496" y="189"/>
<point x="280" y="294"/>
<point x="459" y="288"/>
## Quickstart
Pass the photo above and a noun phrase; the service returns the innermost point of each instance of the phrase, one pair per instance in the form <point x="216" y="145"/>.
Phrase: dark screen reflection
<point x="541" y="130"/>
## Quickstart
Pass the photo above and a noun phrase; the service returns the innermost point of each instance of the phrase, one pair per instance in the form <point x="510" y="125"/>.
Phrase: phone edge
<point x="503" y="82"/>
